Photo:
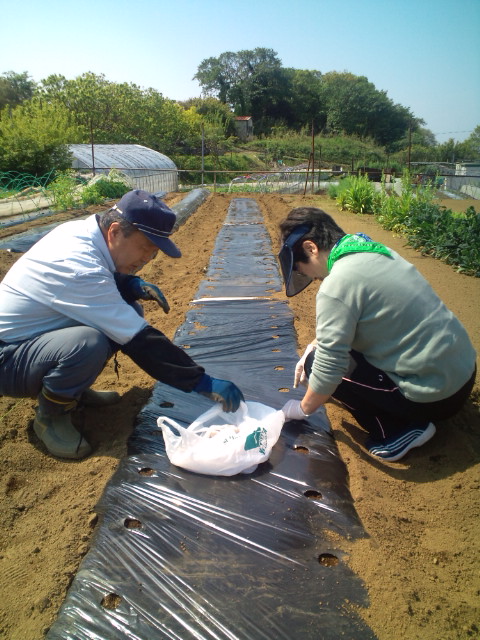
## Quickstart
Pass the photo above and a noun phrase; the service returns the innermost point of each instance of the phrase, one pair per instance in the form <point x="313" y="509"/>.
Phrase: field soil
<point x="421" y="559"/>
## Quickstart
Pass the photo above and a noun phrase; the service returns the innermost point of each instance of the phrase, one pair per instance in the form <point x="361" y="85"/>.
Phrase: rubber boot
<point x="53" y="425"/>
<point x="91" y="398"/>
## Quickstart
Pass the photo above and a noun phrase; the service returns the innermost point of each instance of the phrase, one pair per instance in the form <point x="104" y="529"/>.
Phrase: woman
<point x="386" y="346"/>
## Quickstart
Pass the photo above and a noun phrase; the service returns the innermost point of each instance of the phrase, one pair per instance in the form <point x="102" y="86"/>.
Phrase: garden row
<point x="428" y="227"/>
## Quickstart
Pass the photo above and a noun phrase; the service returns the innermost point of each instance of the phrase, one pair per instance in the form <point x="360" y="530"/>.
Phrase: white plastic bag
<point x="223" y="444"/>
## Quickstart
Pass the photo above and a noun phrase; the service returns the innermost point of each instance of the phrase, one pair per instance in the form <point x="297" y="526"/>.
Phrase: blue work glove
<point x="222" y="391"/>
<point x="134" y="288"/>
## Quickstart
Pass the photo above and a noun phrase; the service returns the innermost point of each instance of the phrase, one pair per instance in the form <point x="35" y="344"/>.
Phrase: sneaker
<point x="397" y="446"/>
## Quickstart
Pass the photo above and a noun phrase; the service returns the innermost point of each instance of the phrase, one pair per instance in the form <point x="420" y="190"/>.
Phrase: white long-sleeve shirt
<point x="66" y="279"/>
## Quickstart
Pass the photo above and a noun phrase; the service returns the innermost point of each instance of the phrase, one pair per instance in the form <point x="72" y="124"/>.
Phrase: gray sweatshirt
<point x="385" y="309"/>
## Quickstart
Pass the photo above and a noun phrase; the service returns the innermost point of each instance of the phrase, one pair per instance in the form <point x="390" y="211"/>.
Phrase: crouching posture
<point x="386" y="346"/>
<point x="70" y="302"/>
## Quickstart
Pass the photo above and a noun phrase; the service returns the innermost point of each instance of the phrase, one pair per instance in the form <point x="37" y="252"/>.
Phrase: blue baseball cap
<point x="151" y="216"/>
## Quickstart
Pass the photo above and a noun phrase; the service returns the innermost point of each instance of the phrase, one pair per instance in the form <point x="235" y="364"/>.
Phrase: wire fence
<point x="23" y="193"/>
<point x="283" y="181"/>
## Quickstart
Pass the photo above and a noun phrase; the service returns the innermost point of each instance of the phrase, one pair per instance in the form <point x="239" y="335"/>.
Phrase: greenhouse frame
<point x="145" y="168"/>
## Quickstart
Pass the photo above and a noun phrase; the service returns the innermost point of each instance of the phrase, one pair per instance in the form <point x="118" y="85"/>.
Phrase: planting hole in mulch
<point x="111" y="601"/>
<point x="146" y="471"/>
<point x="312" y="494"/>
<point x="301" y="449"/>
<point x="327" y="560"/>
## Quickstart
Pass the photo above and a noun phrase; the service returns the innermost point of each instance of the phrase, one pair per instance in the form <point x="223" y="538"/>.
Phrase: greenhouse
<point x="146" y="169"/>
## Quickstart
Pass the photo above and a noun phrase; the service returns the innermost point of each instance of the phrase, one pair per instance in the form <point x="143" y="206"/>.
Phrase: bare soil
<point x="420" y="561"/>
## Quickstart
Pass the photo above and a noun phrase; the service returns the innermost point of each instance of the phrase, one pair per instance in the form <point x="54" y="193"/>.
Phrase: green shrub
<point x="102" y="190"/>
<point x="91" y="195"/>
<point x="432" y="229"/>
<point x="337" y="190"/>
<point x="110" y="189"/>
<point x="191" y="167"/>
<point x="356" y="194"/>
<point x="69" y="190"/>
<point x="62" y="191"/>
<point x="453" y="238"/>
<point x="296" y="148"/>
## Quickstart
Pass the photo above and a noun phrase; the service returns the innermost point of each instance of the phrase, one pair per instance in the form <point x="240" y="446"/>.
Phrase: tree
<point x="306" y="98"/>
<point x="34" y="137"/>
<point x="112" y="113"/>
<point x="466" y="151"/>
<point x="15" y="88"/>
<point x="355" y="107"/>
<point x="216" y="140"/>
<point x="233" y="77"/>
<point x="269" y="99"/>
<point x="253" y="82"/>
<point x="471" y="146"/>
<point x="424" y="137"/>
<point x="211" y="109"/>
<point x="447" y="151"/>
<point x="88" y="97"/>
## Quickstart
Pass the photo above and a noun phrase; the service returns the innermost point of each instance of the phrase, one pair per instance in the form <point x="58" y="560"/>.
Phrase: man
<point x="70" y="302"/>
<point x="386" y="346"/>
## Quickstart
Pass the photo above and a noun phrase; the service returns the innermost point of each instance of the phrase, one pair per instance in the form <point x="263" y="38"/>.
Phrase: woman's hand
<point x="300" y="376"/>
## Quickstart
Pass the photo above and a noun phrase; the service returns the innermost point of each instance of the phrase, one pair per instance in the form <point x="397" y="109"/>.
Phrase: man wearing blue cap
<point x="70" y="302"/>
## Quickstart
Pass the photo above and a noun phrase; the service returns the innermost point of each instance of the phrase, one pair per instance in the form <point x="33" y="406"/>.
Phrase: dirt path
<point x="421" y="562"/>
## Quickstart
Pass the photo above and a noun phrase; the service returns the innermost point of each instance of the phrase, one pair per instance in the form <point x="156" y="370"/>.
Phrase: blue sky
<point x="424" y="53"/>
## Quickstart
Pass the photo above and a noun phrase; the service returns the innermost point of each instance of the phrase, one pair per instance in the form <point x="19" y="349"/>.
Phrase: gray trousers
<point x="65" y="362"/>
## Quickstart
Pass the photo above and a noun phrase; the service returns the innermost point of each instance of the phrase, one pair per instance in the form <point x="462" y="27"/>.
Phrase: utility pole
<point x="93" y="146"/>
<point x="409" y="145"/>
<point x="313" y="159"/>
<point x="203" y="151"/>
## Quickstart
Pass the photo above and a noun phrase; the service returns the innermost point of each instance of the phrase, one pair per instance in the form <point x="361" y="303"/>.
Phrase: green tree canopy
<point x="254" y="82"/>
<point x="34" y="137"/>
<point x="211" y="110"/>
<point x="234" y="78"/>
<point x="113" y="113"/>
<point x="15" y="88"/>
<point x="470" y="148"/>
<point x="307" y="100"/>
<point x="355" y="107"/>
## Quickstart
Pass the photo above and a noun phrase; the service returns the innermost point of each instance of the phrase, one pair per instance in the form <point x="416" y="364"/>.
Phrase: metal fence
<point x="280" y="181"/>
<point x="469" y="186"/>
<point x="287" y="180"/>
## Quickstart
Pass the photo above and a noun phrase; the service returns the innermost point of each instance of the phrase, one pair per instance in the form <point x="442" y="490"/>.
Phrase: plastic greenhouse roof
<point x="121" y="156"/>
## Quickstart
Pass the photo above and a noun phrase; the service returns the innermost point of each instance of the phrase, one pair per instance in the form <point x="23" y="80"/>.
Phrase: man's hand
<point x="222" y="391"/>
<point x="134" y="288"/>
<point x="293" y="410"/>
<point x="152" y="292"/>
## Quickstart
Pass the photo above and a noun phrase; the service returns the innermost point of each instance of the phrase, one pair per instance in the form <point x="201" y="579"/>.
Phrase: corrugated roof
<point x="121" y="156"/>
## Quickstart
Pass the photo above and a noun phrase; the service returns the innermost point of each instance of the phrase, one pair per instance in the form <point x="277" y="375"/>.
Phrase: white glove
<point x="293" y="410"/>
<point x="300" y="366"/>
